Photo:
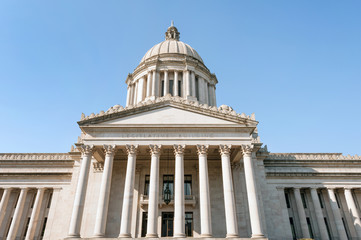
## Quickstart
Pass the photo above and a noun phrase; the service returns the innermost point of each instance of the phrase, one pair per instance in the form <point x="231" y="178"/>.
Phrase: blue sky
<point x="295" y="64"/>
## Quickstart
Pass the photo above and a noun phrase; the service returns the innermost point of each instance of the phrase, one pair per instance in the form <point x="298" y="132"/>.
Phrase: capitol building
<point x="174" y="164"/>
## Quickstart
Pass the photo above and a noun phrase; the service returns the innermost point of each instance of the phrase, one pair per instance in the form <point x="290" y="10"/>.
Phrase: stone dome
<point x="171" y="45"/>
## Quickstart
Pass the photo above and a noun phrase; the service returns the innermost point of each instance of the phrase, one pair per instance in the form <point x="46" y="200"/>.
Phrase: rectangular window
<point x="187" y="185"/>
<point x="43" y="228"/>
<point x="320" y="199"/>
<point x="337" y="200"/>
<point x="346" y="228"/>
<point x="328" y="229"/>
<point x="171" y="85"/>
<point x="179" y="88"/>
<point x="167" y="224"/>
<point x="49" y="200"/>
<point x="309" y="226"/>
<point x="168" y="180"/>
<point x="303" y="197"/>
<point x="26" y="227"/>
<point x="162" y="88"/>
<point x="144" y="224"/>
<point x="189" y="224"/>
<point x="146" y="185"/>
<point x="197" y="88"/>
<point x="293" y="229"/>
<point x="287" y="196"/>
<point x="8" y="229"/>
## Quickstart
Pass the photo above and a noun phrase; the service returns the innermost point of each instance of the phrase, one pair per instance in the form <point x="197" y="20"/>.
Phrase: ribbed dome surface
<point x="171" y="46"/>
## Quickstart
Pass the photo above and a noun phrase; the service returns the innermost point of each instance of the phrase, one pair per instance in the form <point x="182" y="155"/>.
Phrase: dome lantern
<point x="172" y="33"/>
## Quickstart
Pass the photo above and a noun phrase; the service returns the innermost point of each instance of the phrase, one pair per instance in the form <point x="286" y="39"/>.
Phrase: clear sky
<point x="295" y="64"/>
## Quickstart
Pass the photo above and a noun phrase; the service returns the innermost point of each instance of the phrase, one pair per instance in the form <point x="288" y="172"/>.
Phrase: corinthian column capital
<point x="247" y="148"/>
<point x="155" y="149"/>
<point x="109" y="149"/>
<point x="131" y="149"/>
<point x="202" y="149"/>
<point x="178" y="149"/>
<point x="225" y="149"/>
<point x="87" y="149"/>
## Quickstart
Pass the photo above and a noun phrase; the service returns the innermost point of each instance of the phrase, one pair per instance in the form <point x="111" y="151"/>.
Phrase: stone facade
<point x="173" y="164"/>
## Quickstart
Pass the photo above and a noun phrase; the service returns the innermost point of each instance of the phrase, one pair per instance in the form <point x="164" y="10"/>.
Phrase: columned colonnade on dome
<point x="186" y="83"/>
<point x="179" y="202"/>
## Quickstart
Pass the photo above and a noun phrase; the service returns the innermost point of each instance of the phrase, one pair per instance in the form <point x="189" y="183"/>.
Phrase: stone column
<point x="125" y="227"/>
<point x="253" y="204"/>
<point x="166" y="83"/>
<point x="194" y="94"/>
<point x="140" y="89"/>
<point x="4" y="203"/>
<point x="188" y="83"/>
<point x="128" y="95"/>
<point x="34" y="219"/>
<point x="228" y="192"/>
<point x="336" y="214"/>
<point x="176" y="86"/>
<point x="136" y="92"/>
<point x="319" y="215"/>
<point x="131" y="100"/>
<point x="149" y="84"/>
<point x="152" y="226"/>
<point x="17" y="215"/>
<point x="206" y="89"/>
<point x="204" y="198"/>
<point x="103" y="202"/>
<point x="154" y="83"/>
<point x="214" y="95"/>
<point x="351" y="206"/>
<point x="179" y="221"/>
<point x="78" y="207"/>
<point x="301" y="213"/>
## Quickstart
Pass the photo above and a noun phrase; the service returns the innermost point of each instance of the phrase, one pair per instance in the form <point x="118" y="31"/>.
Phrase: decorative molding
<point x="312" y="174"/>
<point x="311" y="156"/>
<point x="179" y="149"/>
<point x="247" y="149"/>
<point x="98" y="166"/>
<point x="223" y="111"/>
<point x="202" y="149"/>
<point x="109" y="149"/>
<point x="225" y="149"/>
<point x="155" y="149"/>
<point x="35" y="156"/>
<point x="86" y="149"/>
<point x="131" y="149"/>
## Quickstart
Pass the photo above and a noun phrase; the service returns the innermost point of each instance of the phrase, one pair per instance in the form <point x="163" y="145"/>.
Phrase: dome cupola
<point x="171" y="67"/>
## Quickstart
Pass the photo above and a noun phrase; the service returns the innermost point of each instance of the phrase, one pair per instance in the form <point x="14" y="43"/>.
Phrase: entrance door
<point x="167" y="224"/>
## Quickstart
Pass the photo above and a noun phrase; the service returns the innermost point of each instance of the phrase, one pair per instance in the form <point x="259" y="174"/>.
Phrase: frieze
<point x="35" y="156"/>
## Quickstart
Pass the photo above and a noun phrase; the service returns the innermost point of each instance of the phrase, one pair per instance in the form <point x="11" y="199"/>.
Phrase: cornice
<point x="311" y="156"/>
<point x="312" y="174"/>
<point x="117" y="111"/>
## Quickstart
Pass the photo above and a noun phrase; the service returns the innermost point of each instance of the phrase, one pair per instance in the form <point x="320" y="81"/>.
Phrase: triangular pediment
<point x="168" y="115"/>
<point x="167" y="112"/>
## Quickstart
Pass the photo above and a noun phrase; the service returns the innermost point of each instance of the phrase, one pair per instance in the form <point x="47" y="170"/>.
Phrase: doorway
<point x="167" y="224"/>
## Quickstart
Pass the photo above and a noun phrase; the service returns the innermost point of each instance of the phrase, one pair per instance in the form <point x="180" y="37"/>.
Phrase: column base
<point x="179" y="235"/>
<point x="232" y="235"/>
<point x="258" y="235"/>
<point x="125" y="235"/>
<point x="152" y="235"/>
<point x="98" y="235"/>
<point x="70" y="236"/>
<point x="206" y="235"/>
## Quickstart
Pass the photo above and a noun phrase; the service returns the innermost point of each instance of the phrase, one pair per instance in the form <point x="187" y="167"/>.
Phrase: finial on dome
<point x="172" y="33"/>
